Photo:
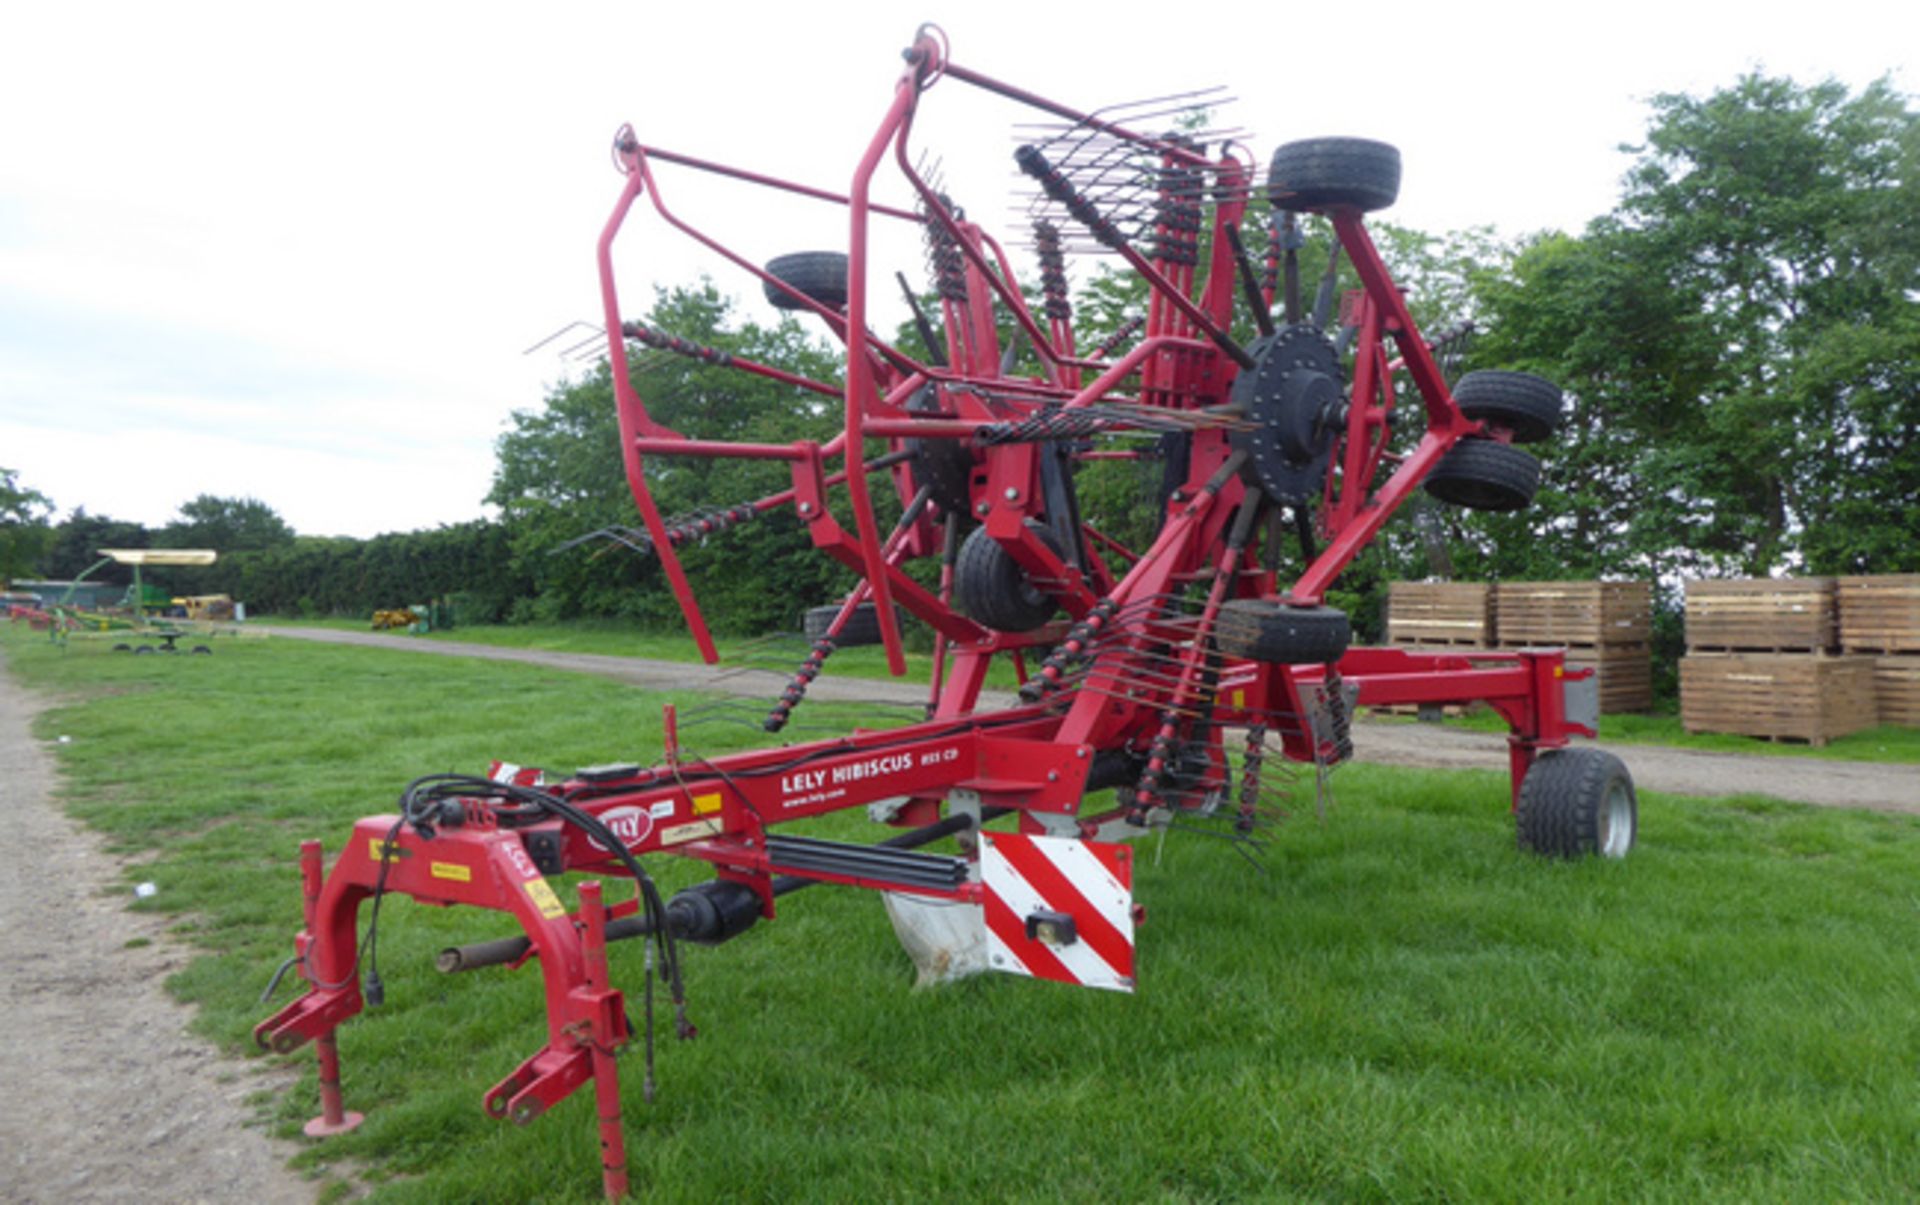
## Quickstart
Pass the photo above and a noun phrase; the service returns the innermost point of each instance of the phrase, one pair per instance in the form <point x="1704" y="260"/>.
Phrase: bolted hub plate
<point x="945" y="464"/>
<point x="1294" y="397"/>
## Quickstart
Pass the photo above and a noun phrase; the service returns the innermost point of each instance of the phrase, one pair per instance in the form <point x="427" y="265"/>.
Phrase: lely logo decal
<point x="631" y="824"/>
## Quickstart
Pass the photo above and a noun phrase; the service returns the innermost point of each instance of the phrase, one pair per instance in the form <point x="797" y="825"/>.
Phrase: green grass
<point x="616" y="639"/>
<point x="1886" y="743"/>
<point x="1400" y="1006"/>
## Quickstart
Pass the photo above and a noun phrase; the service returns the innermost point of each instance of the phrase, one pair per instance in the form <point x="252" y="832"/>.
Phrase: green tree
<point x="559" y="476"/>
<point x="24" y="530"/>
<point x="77" y="541"/>
<point x="1740" y="338"/>
<point x="225" y="525"/>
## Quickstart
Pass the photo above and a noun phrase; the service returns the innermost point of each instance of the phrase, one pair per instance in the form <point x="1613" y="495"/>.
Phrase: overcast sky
<point x="296" y="252"/>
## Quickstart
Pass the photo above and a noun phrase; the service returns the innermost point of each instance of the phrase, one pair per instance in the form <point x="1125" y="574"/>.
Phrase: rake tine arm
<point x="635" y="421"/>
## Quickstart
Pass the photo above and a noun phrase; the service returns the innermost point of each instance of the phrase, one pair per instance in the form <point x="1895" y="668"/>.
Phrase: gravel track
<point x="109" y="1097"/>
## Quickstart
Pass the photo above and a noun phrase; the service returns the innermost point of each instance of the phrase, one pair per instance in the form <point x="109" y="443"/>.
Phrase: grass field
<point x="1400" y="1005"/>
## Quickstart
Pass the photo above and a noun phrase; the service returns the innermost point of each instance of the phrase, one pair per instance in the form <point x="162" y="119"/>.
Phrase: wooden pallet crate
<point x="1449" y="613"/>
<point x="1896" y="689"/>
<point x="1624" y="674"/>
<point x="1879" y="614"/>
<point x="1780" y="696"/>
<point x="1761" y="615"/>
<point x="1573" y="613"/>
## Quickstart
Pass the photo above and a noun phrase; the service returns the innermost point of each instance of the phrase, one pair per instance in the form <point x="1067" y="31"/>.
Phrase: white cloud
<point x="296" y="253"/>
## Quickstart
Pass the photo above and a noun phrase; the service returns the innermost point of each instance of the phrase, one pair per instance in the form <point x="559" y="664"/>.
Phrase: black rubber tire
<point x="201" y="648"/>
<point x="1525" y="404"/>
<point x="820" y="275"/>
<point x="863" y="626"/>
<point x="1482" y="474"/>
<point x="1573" y="804"/>
<point x="1266" y="630"/>
<point x="1325" y="173"/>
<point x="144" y="648"/>
<point x="993" y="588"/>
<point x="123" y="648"/>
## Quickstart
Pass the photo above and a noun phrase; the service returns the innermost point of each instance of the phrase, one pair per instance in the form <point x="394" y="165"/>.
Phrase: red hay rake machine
<point x="1195" y="677"/>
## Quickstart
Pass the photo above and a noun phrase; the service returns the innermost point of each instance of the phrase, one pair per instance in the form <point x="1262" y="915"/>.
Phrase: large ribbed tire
<point x="1576" y="803"/>
<point x="1260" y="629"/>
<point x="994" y="589"/>
<point x="1525" y="404"/>
<point x="1326" y="173"/>
<point x="1481" y="474"/>
<point x="820" y="275"/>
<point x="863" y="626"/>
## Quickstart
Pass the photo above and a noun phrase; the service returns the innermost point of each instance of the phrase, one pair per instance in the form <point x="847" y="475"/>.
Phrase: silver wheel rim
<point x="1615" y="817"/>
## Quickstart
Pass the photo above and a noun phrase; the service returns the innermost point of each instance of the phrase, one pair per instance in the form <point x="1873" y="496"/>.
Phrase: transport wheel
<point x="821" y="275"/>
<point x="863" y="626"/>
<point x="994" y="588"/>
<point x="201" y="648"/>
<point x="1482" y="474"/>
<point x="123" y="648"/>
<point x="1262" y="629"/>
<point x="1321" y="173"/>
<point x="1525" y="404"/>
<point x="144" y="648"/>
<point x="1577" y="802"/>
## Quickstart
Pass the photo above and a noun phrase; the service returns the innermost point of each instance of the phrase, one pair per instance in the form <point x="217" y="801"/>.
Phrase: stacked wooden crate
<point x="1450" y="617"/>
<point x="1605" y="626"/>
<point x="1439" y="615"/>
<point x="1880" y="616"/>
<point x="1760" y="662"/>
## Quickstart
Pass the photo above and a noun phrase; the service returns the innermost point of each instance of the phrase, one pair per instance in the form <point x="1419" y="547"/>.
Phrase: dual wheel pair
<point x="1317" y="174"/>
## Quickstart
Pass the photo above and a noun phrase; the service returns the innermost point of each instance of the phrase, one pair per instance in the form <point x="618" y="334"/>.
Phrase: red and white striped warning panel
<point x="1059" y="908"/>
<point x="519" y="776"/>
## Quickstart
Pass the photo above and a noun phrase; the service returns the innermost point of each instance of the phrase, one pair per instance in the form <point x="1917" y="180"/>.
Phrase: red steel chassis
<point x="1152" y="687"/>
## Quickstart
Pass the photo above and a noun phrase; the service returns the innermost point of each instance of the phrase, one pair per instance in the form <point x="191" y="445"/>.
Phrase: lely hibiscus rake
<point x="1183" y="682"/>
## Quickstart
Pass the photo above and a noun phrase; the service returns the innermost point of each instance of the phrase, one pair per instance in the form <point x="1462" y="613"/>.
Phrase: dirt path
<point x="1890" y="788"/>
<point x="108" y="1097"/>
<point x="1873" y="785"/>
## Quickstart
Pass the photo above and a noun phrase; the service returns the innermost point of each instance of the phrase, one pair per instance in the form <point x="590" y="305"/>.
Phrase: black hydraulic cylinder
<point x="707" y="913"/>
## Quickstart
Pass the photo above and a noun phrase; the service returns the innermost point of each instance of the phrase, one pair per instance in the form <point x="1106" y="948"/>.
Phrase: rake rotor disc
<point x="1295" y="401"/>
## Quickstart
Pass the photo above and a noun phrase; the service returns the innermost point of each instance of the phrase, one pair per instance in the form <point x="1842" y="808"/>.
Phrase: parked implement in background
<point x="1140" y="667"/>
<point x="205" y="607"/>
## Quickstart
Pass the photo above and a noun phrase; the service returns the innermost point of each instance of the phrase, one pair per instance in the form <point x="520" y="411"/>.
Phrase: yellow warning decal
<point x="382" y="851"/>
<point x="704" y="805"/>
<point x="452" y="871"/>
<point x="544" y="899"/>
<point x="1239" y="699"/>
<point x="680" y="833"/>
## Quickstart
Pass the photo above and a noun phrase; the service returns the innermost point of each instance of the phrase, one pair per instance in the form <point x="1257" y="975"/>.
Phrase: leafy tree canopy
<point x="24" y="532"/>
<point x="225" y="525"/>
<point x="1741" y="338"/>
